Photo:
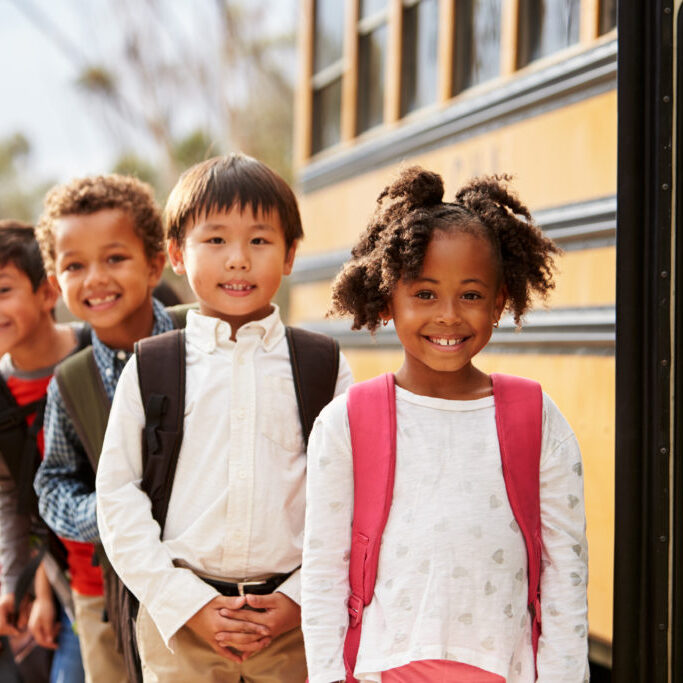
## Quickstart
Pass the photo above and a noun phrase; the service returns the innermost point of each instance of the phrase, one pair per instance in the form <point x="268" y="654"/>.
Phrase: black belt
<point x="264" y="587"/>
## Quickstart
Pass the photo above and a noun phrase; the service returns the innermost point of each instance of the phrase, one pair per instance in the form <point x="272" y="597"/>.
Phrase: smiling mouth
<point x="238" y="288"/>
<point x="446" y="342"/>
<point x="101" y="301"/>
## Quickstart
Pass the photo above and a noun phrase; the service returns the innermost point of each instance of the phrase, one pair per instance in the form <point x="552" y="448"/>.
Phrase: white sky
<point x="37" y="81"/>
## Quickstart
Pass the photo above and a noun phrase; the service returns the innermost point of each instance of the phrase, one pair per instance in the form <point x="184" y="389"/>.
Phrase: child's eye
<point x="72" y="267"/>
<point x="472" y="296"/>
<point x="215" y="240"/>
<point x="259" y="240"/>
<point x="425" y="294"/>
<point x="116" y="258"/>
<point x="5" y="290"/>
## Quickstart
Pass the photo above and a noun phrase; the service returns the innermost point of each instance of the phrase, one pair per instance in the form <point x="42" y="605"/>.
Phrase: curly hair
<point x="19" y="247"/>
<point x="221" y="183"/>
<point x="408" y="212"/>
<point x="85" y="196"/>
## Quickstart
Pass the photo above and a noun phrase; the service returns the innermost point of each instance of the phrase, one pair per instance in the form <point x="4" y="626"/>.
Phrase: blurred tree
<point x="228" y="71"/>
<point x="20" y="197"/>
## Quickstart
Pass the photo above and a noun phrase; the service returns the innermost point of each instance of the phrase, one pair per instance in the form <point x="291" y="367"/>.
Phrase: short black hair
<point x="221" y="183"/>
<point x="18" y="246"/>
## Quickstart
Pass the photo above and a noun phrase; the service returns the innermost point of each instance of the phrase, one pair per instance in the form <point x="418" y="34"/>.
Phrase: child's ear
<point x="386" y="315"/>
<point x="52" y="279"/>
<point x="49" y="293"/>
<point x="175" y="256"/>
<point x="289" y="258"/>
<point x="156" y="263"/>
<point x="501" y="300"/>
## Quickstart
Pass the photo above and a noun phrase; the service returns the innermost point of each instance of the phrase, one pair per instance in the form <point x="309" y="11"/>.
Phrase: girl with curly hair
<point x="450" y="600"/>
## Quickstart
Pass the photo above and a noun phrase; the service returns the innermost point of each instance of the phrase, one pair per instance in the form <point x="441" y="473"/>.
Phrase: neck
<point x="466" y="384"/>
<point x="49" y="344"/>
<point x="124" y="335"/>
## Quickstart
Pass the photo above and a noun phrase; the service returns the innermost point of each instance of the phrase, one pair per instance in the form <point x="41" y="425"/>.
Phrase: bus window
<point x="546" y="26"/>
<point x="419" y="55"/>
<point x="476" y="48"/>
<point x="372" y="51"/>
<point x="327" y="73"/>
<point x="608" y="15"/>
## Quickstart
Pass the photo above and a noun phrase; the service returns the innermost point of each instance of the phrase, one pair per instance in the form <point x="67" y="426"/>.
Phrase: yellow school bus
<point x="464" y="87"/>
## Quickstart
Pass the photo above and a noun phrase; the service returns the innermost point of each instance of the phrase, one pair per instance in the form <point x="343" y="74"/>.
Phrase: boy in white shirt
<point x="236" y="511"/>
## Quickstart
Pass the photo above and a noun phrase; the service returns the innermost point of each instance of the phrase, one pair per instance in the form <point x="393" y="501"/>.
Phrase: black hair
<point x="18" y="246"/>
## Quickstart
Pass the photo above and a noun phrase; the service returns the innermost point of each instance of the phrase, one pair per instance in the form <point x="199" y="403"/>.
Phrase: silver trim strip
<point x="573" y="79"/>
<point x="574" y="226"/>
<point x="571" y="330"/>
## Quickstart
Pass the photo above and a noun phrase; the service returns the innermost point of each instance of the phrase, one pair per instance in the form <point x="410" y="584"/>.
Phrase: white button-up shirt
<point x="237" y="503"/>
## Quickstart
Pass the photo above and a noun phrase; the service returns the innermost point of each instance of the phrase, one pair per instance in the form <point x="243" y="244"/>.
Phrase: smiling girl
<point x="450" y="601"/>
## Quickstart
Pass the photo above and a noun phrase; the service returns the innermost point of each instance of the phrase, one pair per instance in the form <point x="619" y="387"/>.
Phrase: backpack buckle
<point x="355" y="607"/>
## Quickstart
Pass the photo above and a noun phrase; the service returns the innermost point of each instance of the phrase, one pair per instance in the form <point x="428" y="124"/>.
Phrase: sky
<point x="43" y="46"/>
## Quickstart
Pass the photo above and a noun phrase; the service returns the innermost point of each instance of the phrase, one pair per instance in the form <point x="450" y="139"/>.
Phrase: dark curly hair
<point x="84" y="196"/>
<point x="409" y="211"/>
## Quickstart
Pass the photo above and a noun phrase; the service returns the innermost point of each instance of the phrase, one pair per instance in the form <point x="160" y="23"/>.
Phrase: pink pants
<point x="439" y="671"/>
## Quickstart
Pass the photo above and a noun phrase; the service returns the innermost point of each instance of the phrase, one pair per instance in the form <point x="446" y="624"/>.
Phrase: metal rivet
<point x="664" y="362"/>
<point x="665" y="186"/>
<point x="661" y="627"/>
<point x="664" y="274"/>
<point x="667" y="10"/>
<point x="662" y="539"/>
<point x="666" y="99"/>
<point x="663" y="450"/>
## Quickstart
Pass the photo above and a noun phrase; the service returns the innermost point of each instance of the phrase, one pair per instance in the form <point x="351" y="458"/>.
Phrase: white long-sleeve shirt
<point x="237" y="503"/>
<point x="452" y="574"/>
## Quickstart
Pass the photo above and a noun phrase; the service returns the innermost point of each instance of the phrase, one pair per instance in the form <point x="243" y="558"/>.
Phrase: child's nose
<point x="449" y="312"/>
<point x="237" y="259"/>
<point x="95" y="274"/>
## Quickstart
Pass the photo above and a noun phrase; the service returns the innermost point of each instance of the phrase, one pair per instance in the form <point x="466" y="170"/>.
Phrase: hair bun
<point x="418" y="187"/>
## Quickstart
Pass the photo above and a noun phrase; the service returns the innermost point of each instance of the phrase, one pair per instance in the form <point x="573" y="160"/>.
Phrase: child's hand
<point x="277" y="613"/>
<point x="242" y="635"/>
<point x="7" y="616"/>
<point x="42" y="623"/>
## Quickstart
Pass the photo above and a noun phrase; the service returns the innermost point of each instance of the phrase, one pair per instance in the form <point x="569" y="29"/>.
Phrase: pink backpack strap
<point x="519" y="421"/>
<point x="371" y="407"/>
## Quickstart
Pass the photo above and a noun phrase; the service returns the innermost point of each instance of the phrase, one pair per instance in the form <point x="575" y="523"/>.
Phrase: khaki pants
<point x="101" y="661"/>
<point x="283" y="661"/>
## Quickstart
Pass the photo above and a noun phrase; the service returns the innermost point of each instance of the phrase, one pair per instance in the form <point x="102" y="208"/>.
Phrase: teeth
<point x="445" y="341"/>
<point x="102" y="300"/>
<point x="238" y="288"/>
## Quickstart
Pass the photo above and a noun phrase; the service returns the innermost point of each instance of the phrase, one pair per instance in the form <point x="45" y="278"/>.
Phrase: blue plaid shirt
<point x="65" y="483"/>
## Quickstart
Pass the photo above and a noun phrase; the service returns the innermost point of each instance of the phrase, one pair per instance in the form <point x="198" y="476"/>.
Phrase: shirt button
<point x="108" y="372"/>
<point x="121" y="355"/>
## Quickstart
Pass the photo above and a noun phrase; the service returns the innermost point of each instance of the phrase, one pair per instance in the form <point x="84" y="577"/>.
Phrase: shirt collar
<point x="107" y="356"/>
<point x="207" y="332"/>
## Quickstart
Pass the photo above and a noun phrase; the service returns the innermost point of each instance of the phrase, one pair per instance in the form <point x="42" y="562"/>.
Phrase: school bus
<point x="465" y="87"/>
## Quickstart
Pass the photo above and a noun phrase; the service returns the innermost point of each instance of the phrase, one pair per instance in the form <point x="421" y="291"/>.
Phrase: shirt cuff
<point x="182" y="597"/>
<point x="291" y="587"/>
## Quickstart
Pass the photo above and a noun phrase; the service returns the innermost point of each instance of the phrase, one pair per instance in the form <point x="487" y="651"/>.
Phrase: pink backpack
<point x="372" y="418"/>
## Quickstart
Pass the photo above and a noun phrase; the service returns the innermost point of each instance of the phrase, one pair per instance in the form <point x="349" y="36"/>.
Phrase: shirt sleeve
<point x="14" y="533"/>
<point x="344" y="376"/>
<point x="563" y="645"/>
<point x="327" y="544"/>
<point x="130" y="535"/>
<point x="64" y="481"/>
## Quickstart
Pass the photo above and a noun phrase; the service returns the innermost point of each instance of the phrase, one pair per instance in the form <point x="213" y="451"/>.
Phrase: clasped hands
<point x="238" y="627"/>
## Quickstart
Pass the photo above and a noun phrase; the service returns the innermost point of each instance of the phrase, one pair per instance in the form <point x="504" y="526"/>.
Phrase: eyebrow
<point x="220" y="226"/>
<point x="467" y="281"/>
<point x="111" y="245"/>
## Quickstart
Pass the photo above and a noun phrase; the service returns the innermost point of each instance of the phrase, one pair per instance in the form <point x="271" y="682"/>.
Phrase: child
<point x="235" y="520"/>
<point x="102" y="242"/>
<point x="31" y="344"/>
<point x="450" y="599"/>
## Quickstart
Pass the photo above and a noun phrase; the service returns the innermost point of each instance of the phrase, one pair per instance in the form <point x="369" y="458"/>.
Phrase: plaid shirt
<point x="65" y="482"/>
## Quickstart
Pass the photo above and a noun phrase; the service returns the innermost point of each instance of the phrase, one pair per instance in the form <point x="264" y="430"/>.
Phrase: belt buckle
<point x="242" y="584"/>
